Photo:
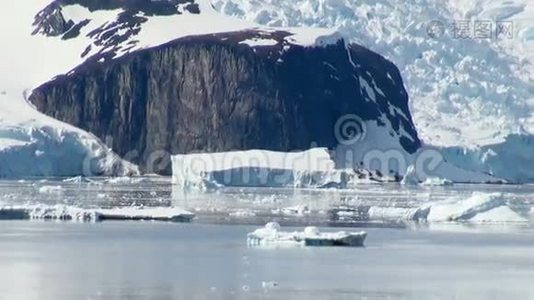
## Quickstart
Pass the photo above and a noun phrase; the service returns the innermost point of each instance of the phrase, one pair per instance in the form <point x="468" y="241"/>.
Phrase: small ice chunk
<point x="437" y="181"/>
<point x="410" y="178"/>
<point x="297" y="210"/>
<point x="124" y="180"/>
<point x="51" y="189"/>
<point x="242" y="213"/>
<point x="311" y="231"/>
<point x="272" y="226"/>
<point x="268" y="285"/>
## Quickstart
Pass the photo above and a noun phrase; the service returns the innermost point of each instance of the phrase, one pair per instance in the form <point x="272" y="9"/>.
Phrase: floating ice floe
<point x="79" y="179"/>
<point x="51" y="189"/>
<point x="77" y="214"/>
<point x="242" y="213"/>
<point x="124" y="180"/>
<point x="297" y="210"/>
<point x="268" y="285"/>
<point x="411" y="178"/>
<point x="480" y="208"/>
<point x="271" y="235"/>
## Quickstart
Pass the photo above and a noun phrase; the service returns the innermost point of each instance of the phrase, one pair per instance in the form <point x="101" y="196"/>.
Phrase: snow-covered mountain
<point x="164" y="82"/>
<point x="472" y="97"/>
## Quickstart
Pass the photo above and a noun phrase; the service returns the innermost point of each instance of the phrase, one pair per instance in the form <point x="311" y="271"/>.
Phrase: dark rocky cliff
<point x="211" y="93"/>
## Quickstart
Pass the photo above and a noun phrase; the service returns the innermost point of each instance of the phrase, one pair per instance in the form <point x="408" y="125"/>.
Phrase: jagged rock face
<point x="149" y="7"/>
<point x="212" y="93"/>
<point x="51" y="22"/>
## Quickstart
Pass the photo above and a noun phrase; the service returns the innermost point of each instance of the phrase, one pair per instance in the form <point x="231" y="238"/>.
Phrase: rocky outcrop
<point x="51" y="22"/>
<point x="214" y="93"/>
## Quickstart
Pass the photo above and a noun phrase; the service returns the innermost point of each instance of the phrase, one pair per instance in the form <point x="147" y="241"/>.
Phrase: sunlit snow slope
<point x="32" y="144"/>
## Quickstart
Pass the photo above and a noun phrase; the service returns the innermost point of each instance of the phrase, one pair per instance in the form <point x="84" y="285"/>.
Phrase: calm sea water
<point x="209" y="259"/>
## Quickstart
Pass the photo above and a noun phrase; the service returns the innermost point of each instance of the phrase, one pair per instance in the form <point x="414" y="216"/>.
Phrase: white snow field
<point x="471" y="97"/>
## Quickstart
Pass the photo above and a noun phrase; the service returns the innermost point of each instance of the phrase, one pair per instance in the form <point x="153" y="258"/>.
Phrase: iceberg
<point x="314" y="168"/>
<point x="410" y="178"/>
<point x="247" y="168"/>
<point x="51" y="189"/>
<point x="271" y="235"/>
<point x="479" y="208"/>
